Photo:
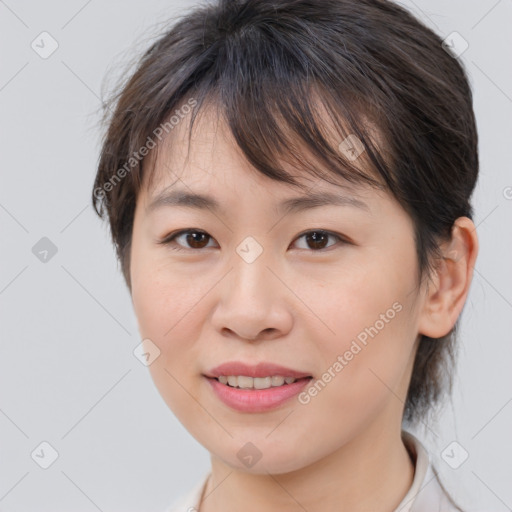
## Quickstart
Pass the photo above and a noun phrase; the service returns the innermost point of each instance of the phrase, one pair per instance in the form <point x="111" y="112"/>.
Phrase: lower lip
<point x="256" y="400"/>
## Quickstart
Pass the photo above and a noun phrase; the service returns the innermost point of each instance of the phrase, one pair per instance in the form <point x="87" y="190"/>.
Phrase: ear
<point x="449" y="287"/>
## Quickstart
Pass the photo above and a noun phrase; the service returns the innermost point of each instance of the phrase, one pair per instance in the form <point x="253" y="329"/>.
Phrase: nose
<point x="252" y="302"/>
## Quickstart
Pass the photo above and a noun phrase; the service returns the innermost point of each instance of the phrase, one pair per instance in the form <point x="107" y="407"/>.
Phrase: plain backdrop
<point x="68" y="375"/>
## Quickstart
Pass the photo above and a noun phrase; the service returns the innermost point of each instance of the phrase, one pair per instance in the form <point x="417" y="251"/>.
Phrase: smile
<point x="243" y="394"/>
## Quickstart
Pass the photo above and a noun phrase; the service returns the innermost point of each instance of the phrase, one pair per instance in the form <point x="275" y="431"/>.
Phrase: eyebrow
<point x="293" y="205"/>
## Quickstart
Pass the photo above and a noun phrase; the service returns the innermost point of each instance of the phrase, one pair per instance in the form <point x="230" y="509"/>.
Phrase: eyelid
<point x="168" y="239"/>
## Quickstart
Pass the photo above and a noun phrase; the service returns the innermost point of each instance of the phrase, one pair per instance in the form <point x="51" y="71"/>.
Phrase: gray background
<point x="68" y="375"/>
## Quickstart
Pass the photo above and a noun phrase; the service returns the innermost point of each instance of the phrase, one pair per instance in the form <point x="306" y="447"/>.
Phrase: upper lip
<point x="262" y="369"/>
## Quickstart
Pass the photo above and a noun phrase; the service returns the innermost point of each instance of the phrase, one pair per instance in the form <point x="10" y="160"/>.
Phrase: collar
<point x="426" y="493"/>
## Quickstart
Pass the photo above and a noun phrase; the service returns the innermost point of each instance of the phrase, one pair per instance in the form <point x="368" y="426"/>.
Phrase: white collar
<point x="426" y="493"/>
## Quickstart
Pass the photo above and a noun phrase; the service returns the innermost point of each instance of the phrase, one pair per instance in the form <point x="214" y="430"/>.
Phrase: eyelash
<point x="170" y="239"/>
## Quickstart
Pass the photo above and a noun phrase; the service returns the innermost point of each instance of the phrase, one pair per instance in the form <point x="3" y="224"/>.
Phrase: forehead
<point x="211" y="159"/>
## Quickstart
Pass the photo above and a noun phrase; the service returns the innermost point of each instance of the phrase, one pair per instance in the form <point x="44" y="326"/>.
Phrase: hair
<point x="267" y="66"/>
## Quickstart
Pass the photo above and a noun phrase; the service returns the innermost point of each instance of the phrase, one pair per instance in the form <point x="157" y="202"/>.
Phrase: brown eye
<point x="318" y="239"/>
<point x="196" y="239"/>
<point x="191" y="239"/>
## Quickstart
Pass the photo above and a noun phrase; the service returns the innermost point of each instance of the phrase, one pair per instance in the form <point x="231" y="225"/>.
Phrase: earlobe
<point x="448" y="289"/>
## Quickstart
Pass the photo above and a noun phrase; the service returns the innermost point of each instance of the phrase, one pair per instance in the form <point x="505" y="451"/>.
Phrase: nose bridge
<point x="251" y="300"/>
<point x="251" y="277"/>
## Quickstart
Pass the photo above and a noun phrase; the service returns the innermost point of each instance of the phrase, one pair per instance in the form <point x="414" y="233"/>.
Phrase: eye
<point x="198" y="239"/>
<point x="195" y="237"/>
<point x="317" y="238"/>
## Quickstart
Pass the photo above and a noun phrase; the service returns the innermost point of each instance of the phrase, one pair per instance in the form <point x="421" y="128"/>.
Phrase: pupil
<point x="195" y="242"/>
<point x="315" y="235"/>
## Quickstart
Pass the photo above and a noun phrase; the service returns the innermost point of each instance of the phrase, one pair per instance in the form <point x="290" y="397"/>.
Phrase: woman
<point x="288" y="188"/>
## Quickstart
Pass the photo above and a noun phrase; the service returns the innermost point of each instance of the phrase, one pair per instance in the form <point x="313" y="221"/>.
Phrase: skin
<point x="295" y="305"/>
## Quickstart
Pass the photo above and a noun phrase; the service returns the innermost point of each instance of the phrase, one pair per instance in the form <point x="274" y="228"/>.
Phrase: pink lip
<point x="262" y="369"/>
<point x="256" y="400"/>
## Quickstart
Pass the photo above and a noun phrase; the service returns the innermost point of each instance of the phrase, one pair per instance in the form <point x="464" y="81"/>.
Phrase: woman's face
<point x="254" y="282"/>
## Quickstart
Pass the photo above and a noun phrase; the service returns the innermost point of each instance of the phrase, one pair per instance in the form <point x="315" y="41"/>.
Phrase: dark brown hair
<point x="264" y="64"/>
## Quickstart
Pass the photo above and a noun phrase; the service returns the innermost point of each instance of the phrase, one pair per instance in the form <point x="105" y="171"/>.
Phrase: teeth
<point x="262" y="382"/>
<point x="277" y="380"/>
<point x="243" y="382"/>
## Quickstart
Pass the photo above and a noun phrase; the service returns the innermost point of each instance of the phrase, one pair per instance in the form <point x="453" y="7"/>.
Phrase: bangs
<point x="282" y="111"/>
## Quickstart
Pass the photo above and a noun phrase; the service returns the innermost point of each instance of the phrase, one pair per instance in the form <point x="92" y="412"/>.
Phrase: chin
<point x="260" y="457"/>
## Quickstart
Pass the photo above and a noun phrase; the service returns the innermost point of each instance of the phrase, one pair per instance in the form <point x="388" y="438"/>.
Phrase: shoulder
<point x="189" y="502"/>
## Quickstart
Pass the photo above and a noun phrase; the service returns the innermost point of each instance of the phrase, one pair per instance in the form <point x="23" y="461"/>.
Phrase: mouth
<point x="255" y="387"/>
<point x="256" y="395"/>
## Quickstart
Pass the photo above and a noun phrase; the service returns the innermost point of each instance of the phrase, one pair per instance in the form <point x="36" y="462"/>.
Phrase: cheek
<point x="371" y="320"/>
<point x="155" y="290"/>
<point x="356" y="298"/>
<point x="164" y="304"/>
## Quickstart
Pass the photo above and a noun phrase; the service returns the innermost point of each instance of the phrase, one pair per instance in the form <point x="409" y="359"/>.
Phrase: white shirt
<point x="426" y="493"/>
